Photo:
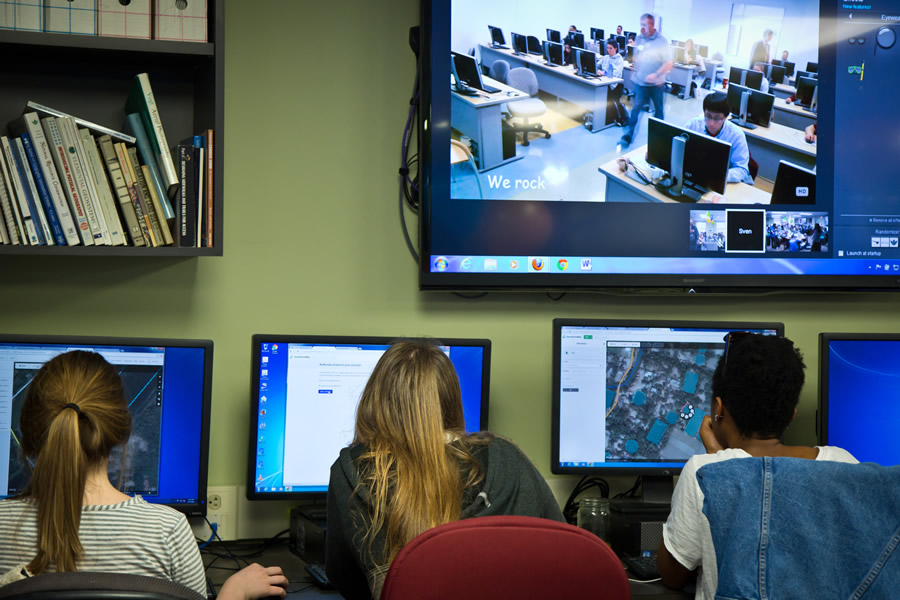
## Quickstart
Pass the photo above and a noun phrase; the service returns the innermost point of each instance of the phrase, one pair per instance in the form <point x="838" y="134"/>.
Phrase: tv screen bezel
<point x="627" y="469"/>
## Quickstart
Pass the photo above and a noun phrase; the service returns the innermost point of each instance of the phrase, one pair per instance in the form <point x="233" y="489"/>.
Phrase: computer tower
<point x="636" y="526"/>
<point x="509" y="141"/>
<point x="307" y="534"/>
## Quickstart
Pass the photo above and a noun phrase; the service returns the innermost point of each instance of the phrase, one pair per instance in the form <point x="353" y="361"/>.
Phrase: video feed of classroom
<point x="603" y="103"/>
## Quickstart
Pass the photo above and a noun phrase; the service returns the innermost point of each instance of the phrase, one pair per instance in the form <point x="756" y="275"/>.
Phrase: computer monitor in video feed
<point x="807" y="74"/>
<point x="776" y="74"/>
<point x="629" y="53"/>
<point x="519" y="44"/>
<point x="497" y="39"/>
<point x="587" y="62"/>
<point x="806" y="92"/>
<point x="167" y="386"/>
<point x="553" y="54"/>
<point x="575" y="39"/>
<point x="793" y="185"/>
<point x="630" y="35"/>
<point x="629" y="396"/>
<point x="703" y="51"/>
<point x="554" y="36"/>
<point x="678" y="55"/>
<point x="812" y="67"/>
<point x="303" y="398"/>
<point x="704" y="159"/>
<point x="857" y="369"/>
<point x="597" y="34"/>
<point x="465" y="70"/>
<point x="622" y="42"/>
<point x="751" y="107"/>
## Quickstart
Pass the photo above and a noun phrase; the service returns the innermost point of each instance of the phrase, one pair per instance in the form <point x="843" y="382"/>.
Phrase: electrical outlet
<point x="222" y="510"/>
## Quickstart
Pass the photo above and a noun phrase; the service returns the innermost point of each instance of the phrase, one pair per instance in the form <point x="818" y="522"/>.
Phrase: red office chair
<point x="506" y="557"/>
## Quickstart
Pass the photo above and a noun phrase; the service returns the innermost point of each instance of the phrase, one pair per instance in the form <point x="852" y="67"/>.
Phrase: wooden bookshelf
<point x="89" y="77"/>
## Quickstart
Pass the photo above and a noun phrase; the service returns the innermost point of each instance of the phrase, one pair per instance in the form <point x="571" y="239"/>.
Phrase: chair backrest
<point x="499" y="71"/>
<point x="81" y="585"/>
<point x="506" y="557"/>
<point x="523" y="78"/>
<point x="796" y="528"/>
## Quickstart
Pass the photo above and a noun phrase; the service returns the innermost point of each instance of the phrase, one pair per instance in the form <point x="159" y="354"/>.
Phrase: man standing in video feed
<point x="652" y="61"/>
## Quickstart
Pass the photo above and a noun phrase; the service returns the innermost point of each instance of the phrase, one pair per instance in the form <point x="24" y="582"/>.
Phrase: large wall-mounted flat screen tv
<point x="551" y="207"/>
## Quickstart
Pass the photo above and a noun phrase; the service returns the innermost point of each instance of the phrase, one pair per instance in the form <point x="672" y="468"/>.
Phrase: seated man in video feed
<point x="715" y="123"/>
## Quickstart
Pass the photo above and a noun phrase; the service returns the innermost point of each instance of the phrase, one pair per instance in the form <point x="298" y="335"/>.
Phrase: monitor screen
<point x="813" y="67"/>
<point x="554" y="36"/>
<point x="553" y="53"/>
<point x="759" y="105"/>
<point x="465" y="70"/>
<point x="794" y="185"/>
<point x="776" y="74"/>
<point x="481" y="224"/>
<point x="703" y="51"/>
<point x="576" y="40"/>
<point x="304" y="392"/>
<point x="167" y="386"/>
<point x="855" y="370"/>
<point x="587" y="62"/>
<point x="806" y="88"/>
<point x="705" y="159"/>
<point x="598" y="35"/>
<point x="629" y="396"/>
<point x="497" y="38"/>
<point x="519" y="43"/>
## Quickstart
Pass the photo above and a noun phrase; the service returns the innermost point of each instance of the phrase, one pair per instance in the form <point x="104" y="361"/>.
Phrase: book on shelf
<point x="134" y="124"/>
<point x="187" y="195"/>
<point x="55" y="204"/>
<point x="200" y="144"/>
<point x="50" y="226"/>
<point x="101" y="184"/>
<point x="142" y="101"/>
<point x="41" y="222"/>
<point x="144" y="191"/>
<point x="22" y="192"/>
<point x="208" y="212"/>
<point x="94" y="218"/>
<point x="52" y="112"/>
<point x="10" y="205"/>
<point x="67" y="177"/>
<point x="157" y="208"/>
<point x="123" y="196"/>
<point x="134" y="192"/>
<point x="4" y="234"/>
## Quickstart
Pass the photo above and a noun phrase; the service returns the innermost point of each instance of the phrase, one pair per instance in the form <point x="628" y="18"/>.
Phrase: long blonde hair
<point x="410" y="408"/>
<point x="73" y="415"/>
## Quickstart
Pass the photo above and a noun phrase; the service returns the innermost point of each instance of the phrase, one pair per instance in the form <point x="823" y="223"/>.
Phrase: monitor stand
<point x="499" y="46"/>
<point x="745" y="111"/>
<point x="673" y="185"/>
<point x="550" y="64"/>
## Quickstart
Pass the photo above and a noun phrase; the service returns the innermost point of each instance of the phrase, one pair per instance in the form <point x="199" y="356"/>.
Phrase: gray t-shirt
<point x="650" y="53"/>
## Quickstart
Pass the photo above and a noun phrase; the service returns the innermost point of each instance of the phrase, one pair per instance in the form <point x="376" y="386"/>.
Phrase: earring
<point x="718" y="418"/>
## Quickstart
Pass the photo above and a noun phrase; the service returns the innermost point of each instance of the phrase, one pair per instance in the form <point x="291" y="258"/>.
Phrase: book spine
<point x="144" y="99"/>
<point x="208" y="213"/>
<point x="157" y="208"/>
<point x="8" y="170"/>
<point x="44" y="154"/>
<point x="60" y="157"/>
<point x="55" y="230"/>
<point x="8" y="203"/>
<point x="24" y="196"/>
<point x="144" y="193"/>
<point x="133" y="121"/>
<point x="134" y="192"/>
<point x="186" y="200"/>
<point x="4" y="233"/>
<point x="41" y="224"/>
<point x="91" y="210"/>
<point x="121" y="189"/>
<point x="101" y="184"/>
<point x="52" y="112"/>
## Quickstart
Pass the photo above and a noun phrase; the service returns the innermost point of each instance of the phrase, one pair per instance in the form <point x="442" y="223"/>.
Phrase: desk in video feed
<point x="769" y="145"/>
<point x="621" y="188"/>
<point x="480" y="118"/>
<point x="562" y="82"/>
<point x="792" y="116"/>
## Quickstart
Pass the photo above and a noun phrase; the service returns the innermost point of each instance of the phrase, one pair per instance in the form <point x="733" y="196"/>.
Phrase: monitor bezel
<point x="198" y="509"/>
<point x="626" y="469"/>
<point x="259" y="338"/>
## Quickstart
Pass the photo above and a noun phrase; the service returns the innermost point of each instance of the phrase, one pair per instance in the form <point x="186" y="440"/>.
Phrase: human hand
<point x="254" y="581"/>
<point x="707" y="436"/>
<point x="653" y="79"/>
<point x="810" y="134"/>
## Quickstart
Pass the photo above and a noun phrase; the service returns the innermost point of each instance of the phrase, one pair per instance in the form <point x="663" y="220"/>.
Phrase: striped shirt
<point x="130" y="537"/>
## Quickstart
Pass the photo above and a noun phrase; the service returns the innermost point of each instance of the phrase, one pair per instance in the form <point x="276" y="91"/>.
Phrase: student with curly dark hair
<point x="755" y="389"/>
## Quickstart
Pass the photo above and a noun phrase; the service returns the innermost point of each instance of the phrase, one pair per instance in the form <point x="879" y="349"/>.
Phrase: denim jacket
<point x="793" y="528"/>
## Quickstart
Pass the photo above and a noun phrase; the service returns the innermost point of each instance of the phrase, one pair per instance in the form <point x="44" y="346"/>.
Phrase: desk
<point x="479" y="117"/>
<point x="621" y="188"/>
<point x="793" y="116"/>
<point x="588" y="93"/>
<point x="782" y="90"/>
<point x="682" y="75"/>
<point x="768" y="145"/>
<point x="293" y="569"/>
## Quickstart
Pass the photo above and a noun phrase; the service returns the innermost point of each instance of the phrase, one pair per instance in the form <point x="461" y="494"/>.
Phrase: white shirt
<point x="686" y="533"/>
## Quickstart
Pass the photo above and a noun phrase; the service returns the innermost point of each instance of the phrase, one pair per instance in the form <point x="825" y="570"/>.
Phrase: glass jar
<point x="593" y="515"/>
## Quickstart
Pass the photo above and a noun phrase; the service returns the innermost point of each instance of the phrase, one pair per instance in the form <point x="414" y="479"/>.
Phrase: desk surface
<point x="781" y="104"/>
<point x="480" y="99"/>
<point x="786" y="137"/>
<point x="533" y="60"/>
<point x="784" y="87"/>
<point x="301" y="587"/>
<point x="735" y="193"/>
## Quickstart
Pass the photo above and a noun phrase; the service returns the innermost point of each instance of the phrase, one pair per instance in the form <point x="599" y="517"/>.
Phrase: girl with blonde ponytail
<point x="412" y="467"/>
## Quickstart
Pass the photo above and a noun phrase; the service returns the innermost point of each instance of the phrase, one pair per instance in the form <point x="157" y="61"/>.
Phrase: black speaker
<point x="509" y="141"/>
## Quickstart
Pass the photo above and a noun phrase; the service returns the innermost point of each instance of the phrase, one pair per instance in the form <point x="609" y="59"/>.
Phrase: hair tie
<point x="74" y="407"/>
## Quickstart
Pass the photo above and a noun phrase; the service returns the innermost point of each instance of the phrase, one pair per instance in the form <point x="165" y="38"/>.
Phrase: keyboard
<point x="319" y="578"/>
<point x="643" y="567"/>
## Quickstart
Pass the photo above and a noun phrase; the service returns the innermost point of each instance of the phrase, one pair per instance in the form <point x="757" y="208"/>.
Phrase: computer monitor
<point x="703" y="51"/>
<point x="807" y="74"/>
<point x="597" y="34"/>
<point x="678" y="43"/>
<point x="695" y="161"/>
<point x="519" y="44"/>
<point x="466" y="71"/>
<point x="812" y="67"/>
<point x="622" y="42"/>
<point x="586" y="61"/>
<point x="534" y="45"/>
<point x="554" y="36"/>
<point x="857" y="370"/>
<point x="788" y="68"/>
<point x="575" y="39"/>
<point x="793" y="185"/>
<point x="751" y="107"/>
<point x="678" y="55"/>
<point x="629" y="53"/>
<point x="630" y="35"/>
<point x="553" y="53"/>
<point x="497" y="39"/>
<point x="629" y="396"/>
<point x="775" y="73"/>
<point x="806" y="92"/>
<point x="167" y="385"/>
<point x="745" y="77"/>
<point x="303" y="397"/>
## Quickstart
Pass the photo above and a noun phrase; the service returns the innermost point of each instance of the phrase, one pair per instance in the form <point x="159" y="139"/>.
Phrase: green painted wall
<point x="313" y="244"/>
